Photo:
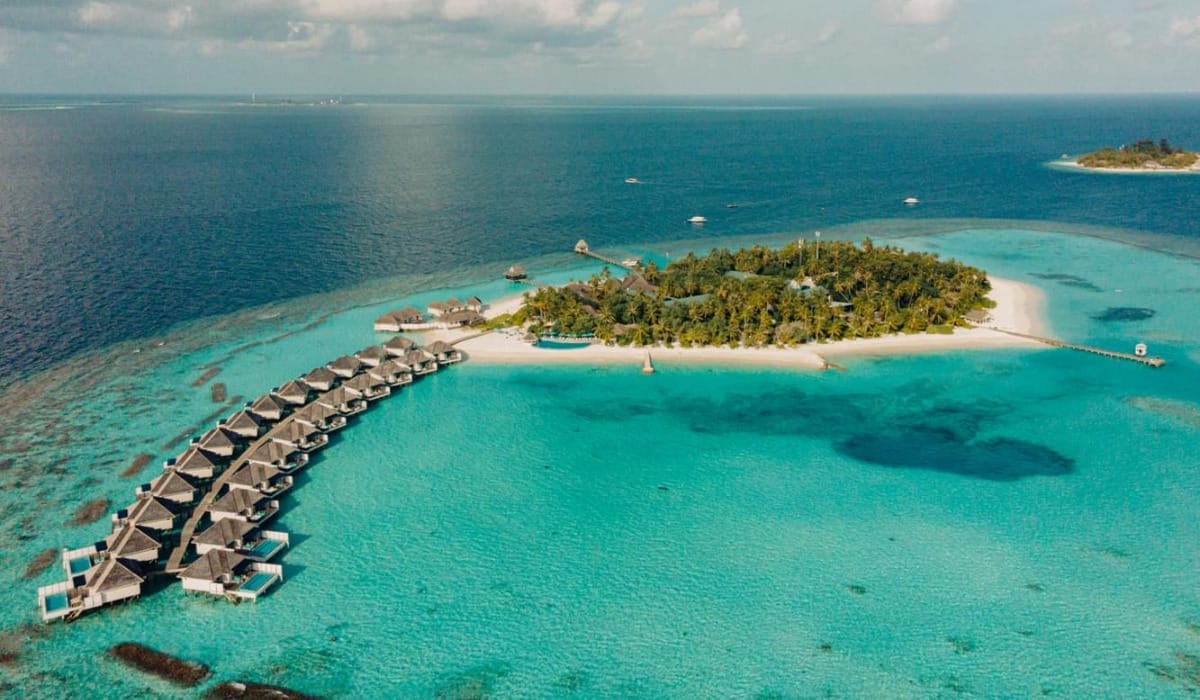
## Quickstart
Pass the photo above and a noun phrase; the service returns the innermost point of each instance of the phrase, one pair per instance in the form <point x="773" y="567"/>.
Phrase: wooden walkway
<point x="1154" y="362"/>
<point x="605" y="259"/>
<point x="175" y="561"/>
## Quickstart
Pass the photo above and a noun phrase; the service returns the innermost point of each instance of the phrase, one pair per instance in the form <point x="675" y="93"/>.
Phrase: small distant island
<point x="1143" y="156"/>
<point x="759" y="296"/>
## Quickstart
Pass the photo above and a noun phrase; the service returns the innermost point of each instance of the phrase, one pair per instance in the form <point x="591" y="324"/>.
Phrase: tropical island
<point x="759" y="296"/>
<point x="1142" y="156"/>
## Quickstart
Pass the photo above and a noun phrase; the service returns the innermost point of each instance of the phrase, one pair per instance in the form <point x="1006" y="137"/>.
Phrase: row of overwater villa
<point x="204" y="519"/>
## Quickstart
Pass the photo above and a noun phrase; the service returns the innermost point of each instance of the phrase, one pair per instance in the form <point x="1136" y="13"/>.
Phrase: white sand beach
<point x="1018" y="308"/>
<point x="1076" y="165"/>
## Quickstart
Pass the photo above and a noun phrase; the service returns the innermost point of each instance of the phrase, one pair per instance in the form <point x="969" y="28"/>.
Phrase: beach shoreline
<point x="1076" y="165"/>
<point x="1018" y="308"/>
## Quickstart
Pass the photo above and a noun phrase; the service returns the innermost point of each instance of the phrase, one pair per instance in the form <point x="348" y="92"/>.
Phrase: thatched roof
<point x="253" y="474"/>
<point x="978" y="316"/>
<point x="172" y="482"/>
<point x="416" y="357"/>
<point x="237" y="501"/>
<point x="225" y="532"/>
<point x="317" y="412"/>
<point x="273" y="452"/>
<point x="463" y="317"/>
<point x="637" y="284"/>
<point x="581" y="246"/>
<point x="215" y="565"/>
<point x="243" y="420"/>
<point x="294" y="392"/>
<point x="439" y="347"/>
<point x="132" y="540"/>
<point x="345" y="365"/>
<point x="320" y="375"/>
<point x="336" y="397"/>
<point x="218" y="439"/>
<point x="267" y="405"/>
<point x="113" y="574"/>
<point x="196" y="459"/>
<point x="296" y="430"/>
<point x="374" y="352"/>
<point x="516" y="272"/>
<point x="474" y="303"/>
<point x="399" y="344"/>
<point x="364" y="383"/>
<point x="410" y="314"/>
<point x="148" y="510"/>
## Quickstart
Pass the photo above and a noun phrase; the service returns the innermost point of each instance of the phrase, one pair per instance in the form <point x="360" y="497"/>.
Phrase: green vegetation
<point x="761" y="296"/>
<point x="1146" y="155"/>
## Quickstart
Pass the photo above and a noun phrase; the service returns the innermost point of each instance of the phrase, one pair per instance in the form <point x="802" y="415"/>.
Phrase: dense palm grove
<point x="1142" y="154"/>
<point x="761" y="296"/>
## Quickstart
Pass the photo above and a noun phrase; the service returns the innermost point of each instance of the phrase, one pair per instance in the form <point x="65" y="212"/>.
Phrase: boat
<point x="912" y="201"/>
<point x="731" y="205"/>
<point x="1140" y="349"/>
<point x="631" y="262"/>
<point x="632" y="181"/>
<point x="697" y="220"/>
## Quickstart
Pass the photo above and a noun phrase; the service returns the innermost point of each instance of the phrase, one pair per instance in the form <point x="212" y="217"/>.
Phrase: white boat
<point x="632" y="181"/>
<point x="697" y="220"/>
<point x="631" y="262"/>
<point x="1140" y="349"/>
<point x="912" y="201"/>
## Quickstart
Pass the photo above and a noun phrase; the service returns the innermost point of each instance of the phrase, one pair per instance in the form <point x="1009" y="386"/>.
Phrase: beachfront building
<point x="372" y="356"/>
<point x="978" y="316"/>
<point x="266" y="479"/>
<point x="462" y="318"/>
<point x="302" y="435"/>
<point x="268" y="408"/>
<point x="197" y="463"/>
<point x="342" y="401"/>
<point x="444" y="352"/>
<point x="219" y="441"/>
<point x="228" y="574"/>
<point x="294" y="393"/>
<point x="420" y="361"/>
<point x="284" y="456"/>
<point x="474" y="304"/>
<point x="345" y="366"/>
<point x="243" y="424"/>
<point x="320" y="379"/>
<point x="241" y="538"/>
<point x="396" y="347"/>
<point x="244" y="504"/>
<point x="368" y="387"/>
<point x="395" y="321"/>
<point x="321" y="417"/>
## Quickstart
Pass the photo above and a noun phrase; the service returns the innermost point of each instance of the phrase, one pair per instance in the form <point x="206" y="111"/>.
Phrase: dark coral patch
<point x="998" y="459"/>
<point x="1124" y="314"/>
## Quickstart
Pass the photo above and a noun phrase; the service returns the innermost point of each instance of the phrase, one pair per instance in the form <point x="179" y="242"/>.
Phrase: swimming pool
<point x="266" y="549"/>
<point x="559" y="345"/>
<point x="258" y="583"/>
<point x="79" y="565"/>
<point x="56" y="602"/>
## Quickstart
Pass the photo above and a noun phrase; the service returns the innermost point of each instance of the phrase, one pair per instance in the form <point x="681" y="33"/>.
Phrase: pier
<point x="582" y="249"/>
<point x="230" y="478"/>
<point x="1154" y="362"/>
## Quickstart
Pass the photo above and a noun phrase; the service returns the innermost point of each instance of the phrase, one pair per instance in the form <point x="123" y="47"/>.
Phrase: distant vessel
<point x="912" y="201"/>
<point x="631" y="262"/>
<point x="731" y="205"/>
<point x="1140" y="349"/>
<point x="632" y="181"/>
<point x="697" y="220"/>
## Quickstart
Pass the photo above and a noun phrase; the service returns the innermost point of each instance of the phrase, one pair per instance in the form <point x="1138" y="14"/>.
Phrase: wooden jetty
<point x="1154" y="362"/>
<point x="582" y="248"/>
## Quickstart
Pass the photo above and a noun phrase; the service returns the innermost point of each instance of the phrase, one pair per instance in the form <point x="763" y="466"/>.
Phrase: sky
<point x="359" y="47"/>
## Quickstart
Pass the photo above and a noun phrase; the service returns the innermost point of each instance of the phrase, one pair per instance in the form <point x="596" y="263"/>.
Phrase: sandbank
<point x="1076" y="165"/>
<point x="1018" y="308"/>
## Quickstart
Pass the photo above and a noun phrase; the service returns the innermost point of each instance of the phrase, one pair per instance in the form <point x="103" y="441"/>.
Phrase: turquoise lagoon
<point x="985" y="524"/>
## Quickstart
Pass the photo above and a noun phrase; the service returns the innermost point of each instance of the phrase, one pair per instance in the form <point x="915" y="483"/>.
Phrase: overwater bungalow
<point x="112" y="581"/>
<point x="150" y="513"/>
<point x="342" y="401"/>
<point x="368" y="387"/>
<point x="242" y="538"/>
<point x="220" y="572"/>
<point x="515" y="273"/>
<point x="294" y="393"/>
<point x="463" y="317"/>
<point x="268" y="408"/>
<point x="171" y="486"/>
<point x="80" y="560"/>
<point x="581" y="247"/>
<point x="444" y="352"/>
<point x="421" y="362"/>
<point x="321" y="417"/>
<point x="302" y="435"/>
<point x="266" y="479"/>
<point x="395" y="374"/>
<point x="396" y="347"/>
<point x="220" y="441"/>
<point x="372" y="356"/>
<point x="438" y="308"/>
<point x="345" y="366"/>
<point x="281" y="455"/>
<point x="244" y="504"/>
<point x="394" y="321"/>
<point x="197" y="463"/>
<point x="135" y="544"/>
<point x="244" y="424"/>
<point x="320" y="379"/>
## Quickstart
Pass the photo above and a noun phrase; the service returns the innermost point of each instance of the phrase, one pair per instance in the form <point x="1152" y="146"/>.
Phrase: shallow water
<point x="996" y="524"/>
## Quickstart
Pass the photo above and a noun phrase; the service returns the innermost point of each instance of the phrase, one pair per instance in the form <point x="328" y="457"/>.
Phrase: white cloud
<point x="1120" y="39"/>
<point x="1184" y="30"/>
<point x="829" y="31"/>
<point x="941" y="44"/>
<point x="724" y="32"/>
<point x="915" y="11"/>
<point x="700" y="8"/>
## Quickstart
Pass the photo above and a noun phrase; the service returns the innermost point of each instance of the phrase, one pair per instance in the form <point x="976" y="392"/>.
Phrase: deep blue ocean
<point x="1005" y="523"/>
<point x="122" y="217"/>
